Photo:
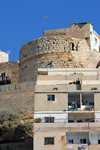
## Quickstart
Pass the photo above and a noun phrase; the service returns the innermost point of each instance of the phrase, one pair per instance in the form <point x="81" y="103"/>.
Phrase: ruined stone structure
<point x="11" y="69"/>
<point x="64" y="51"/>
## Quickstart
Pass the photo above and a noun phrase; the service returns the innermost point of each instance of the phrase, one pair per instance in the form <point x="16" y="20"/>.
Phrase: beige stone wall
<point x="38" y="53"/>
<point x="21" y="100"/>
<point x="97" y="101"/>
<point x="11" y="69"/>
<point x="60" y="103"/>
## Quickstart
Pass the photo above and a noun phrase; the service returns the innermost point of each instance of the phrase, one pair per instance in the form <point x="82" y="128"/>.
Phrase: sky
<point x="22" y="20"/>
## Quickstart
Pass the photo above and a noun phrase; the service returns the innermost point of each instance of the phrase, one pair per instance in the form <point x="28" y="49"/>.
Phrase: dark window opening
<point x="98" y="141"/>
<point x="70" y="120"/>
<point x="79" y="120"/>
<point x="4" y="79"/>
<point x="50" y="97"/>
<point x="48" y="119"/>
<point x="48" y="140"/>
<point x="82" y="141"/>
<point x="70" y="141"/>
<point x="25" y="55"/>
<point x="73" y="46"/>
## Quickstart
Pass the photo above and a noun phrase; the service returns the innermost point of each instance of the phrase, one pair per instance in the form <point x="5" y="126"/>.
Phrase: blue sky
<point x="22" y="20"/>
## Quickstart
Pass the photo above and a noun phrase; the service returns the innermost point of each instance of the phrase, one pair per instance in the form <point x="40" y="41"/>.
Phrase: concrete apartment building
<point x="4" y="57"/>
<point x="67" y="101"/>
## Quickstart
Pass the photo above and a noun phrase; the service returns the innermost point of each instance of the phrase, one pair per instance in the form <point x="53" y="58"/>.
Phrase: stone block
<point x="11" y="87"/>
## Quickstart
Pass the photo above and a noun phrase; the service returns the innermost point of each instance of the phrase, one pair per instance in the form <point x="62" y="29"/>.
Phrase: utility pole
<point x="89" y="130"/>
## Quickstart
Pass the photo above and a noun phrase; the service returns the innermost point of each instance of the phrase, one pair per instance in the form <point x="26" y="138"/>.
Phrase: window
<point x="79" y="120"/>
<point x="48" y="140"/>
<point x="98" y="141"/>
<point x="70" y="141"/>
<point x="90" y="103"/>
<point x="48" y="119"/>
<point x="82" y="141"/>
<point x="95" y="41"/>
<point x="50" y="97"/>
<point x="70" y="120"/>
<point x="73" y="46"/>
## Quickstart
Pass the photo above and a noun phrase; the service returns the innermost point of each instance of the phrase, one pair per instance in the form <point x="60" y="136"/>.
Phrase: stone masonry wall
<point x="11" y="69"/>
<point x="64" y="51"/>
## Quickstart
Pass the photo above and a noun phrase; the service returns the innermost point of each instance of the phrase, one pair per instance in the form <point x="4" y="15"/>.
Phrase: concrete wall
<point x="59" y="116"/>
<point x="97" y="101"/>
<point x="57" y="32"/>
<point x="97" y="116"/>
<point x="59" y="131"/>
<point x="11" y="69"/>
<point x="16" y="86"/>
<point x="58" y="143"/>
<point x="27" y="145"/>
<point x="38" y="53"/>
<point x="60" y="103"/>
<point x="94" y="137"/>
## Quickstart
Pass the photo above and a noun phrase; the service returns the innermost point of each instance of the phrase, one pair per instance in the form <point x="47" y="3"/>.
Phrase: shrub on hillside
<point x="37" y="120"/>
<point x="8" y="114"/>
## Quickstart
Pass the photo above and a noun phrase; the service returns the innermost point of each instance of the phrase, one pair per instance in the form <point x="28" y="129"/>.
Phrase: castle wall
<point x="65" y="52"/>
<point x="11" y="69"/>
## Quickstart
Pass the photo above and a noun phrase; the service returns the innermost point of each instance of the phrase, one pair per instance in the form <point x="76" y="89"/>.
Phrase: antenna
<point x="43" y="23"/>
<point x="8" y="52"/>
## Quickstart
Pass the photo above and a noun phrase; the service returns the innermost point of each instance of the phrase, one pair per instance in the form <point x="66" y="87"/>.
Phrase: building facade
<point x="67" y="107"/>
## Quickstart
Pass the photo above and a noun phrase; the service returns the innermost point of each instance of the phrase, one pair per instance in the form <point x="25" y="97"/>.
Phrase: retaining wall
<point x="21" y="100"/>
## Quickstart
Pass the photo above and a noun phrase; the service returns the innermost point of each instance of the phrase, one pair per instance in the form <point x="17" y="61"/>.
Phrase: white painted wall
<point x="3" y="57"/>
<point x="60" y="116"/>
<point x="69" y="71"/>
<point x="94" y="46"/>
<point x="97" y="116"/>
<point x="94" y="137"/>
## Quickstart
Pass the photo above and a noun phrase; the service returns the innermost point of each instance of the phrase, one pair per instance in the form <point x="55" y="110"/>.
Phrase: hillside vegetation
<point x="15" y="126"/>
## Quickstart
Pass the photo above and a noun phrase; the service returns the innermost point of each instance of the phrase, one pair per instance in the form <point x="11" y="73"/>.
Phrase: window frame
<point x="95" y="41"/>
<point x="72" y="141"/>
<point x="82" y="142"/>
<point x="49" y="118"/>
<point x="50" y="97"/>
<point x="48" y="140"/>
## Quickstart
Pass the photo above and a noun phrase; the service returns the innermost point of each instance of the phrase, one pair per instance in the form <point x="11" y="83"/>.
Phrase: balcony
<point x="80" y="101"/>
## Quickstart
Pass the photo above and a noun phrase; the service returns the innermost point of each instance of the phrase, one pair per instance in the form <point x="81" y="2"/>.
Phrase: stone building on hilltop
<point x="74" y="47"/>
<point x="77" y="51"/>
<point x="82" y="30"/>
